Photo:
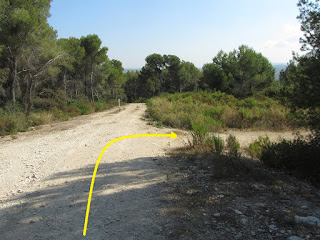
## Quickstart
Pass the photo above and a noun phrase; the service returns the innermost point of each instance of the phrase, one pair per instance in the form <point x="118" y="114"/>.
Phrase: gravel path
<point x="45" y="177"/>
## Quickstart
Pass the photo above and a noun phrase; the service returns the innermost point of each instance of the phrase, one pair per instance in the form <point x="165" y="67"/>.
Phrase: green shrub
<point x="84" y="108"/>
<point x="35" y="120"/>
<point x="231" y="118"/>
<point x="50" y="99"/>
<point x="73" y="111"/>
<point x="212" y="124"/>
<point x="255" y="148"/>
<point x="249" y="102"/>
<point x="233" y="146"/>
<point x="8" y="125"/>
<point x="199" y="133"/>
<point x="99" y="106"/>
<point x="159" y="124"/>
<point x="214" y="113"/>
<point x="227" y="99"/>
<point x="58" y="114"/>
<point x="216" y="144"/>
<point x="301" y="156"/>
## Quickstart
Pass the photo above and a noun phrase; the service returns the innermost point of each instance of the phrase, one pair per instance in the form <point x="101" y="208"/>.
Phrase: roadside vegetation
<point x="11" y="123"/>
<point x="218" y="110"/>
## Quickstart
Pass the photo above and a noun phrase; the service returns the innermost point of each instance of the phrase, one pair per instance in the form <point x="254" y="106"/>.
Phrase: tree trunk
<point x="65" y="81"/>
<point x="91" y="79"/>
<point x="91" y="85"/>
<point x="13" y="83"/>
<point x="97" y="95"/>
<point x="30" y="97"/>
<point x="24" y="97"/>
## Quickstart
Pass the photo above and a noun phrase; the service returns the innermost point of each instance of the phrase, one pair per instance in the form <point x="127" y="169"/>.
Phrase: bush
<point x="301" y="156"/>
<point x="233" y="146"/>
<point x="73" y="111"/>
<point x="231" y="118"/>
<point x="99" y="106"/>
<point x="8" y="125"/>
<point x="199" y="133"/>
<point x="58" y="114"/>
<point x="84" y="108"/>
<point x="216" y="144"/>
<point x="36" y="119"/>
<point x="255" y="148"/>
<point x="50" y="99"/>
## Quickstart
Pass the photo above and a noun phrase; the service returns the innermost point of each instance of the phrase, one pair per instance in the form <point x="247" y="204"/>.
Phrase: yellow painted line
<point x="172" y="135"/>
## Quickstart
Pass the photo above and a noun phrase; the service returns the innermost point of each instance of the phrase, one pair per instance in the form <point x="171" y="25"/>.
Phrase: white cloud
<point x="280" y="48"/>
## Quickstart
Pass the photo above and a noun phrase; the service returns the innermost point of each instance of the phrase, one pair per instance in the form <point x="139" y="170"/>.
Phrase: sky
<point x="193" y="30"/>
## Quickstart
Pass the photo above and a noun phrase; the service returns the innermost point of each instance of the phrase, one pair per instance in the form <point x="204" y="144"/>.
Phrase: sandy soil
<point x="45" y="177"/>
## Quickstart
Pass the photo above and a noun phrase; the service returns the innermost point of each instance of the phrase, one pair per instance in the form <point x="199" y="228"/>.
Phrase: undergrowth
<point x="255" y="148"/>
<point x="301" y="156"/>
<point x="46" y="112"/>
<point x="218" y="111"/>
<point x="205" y="113"/>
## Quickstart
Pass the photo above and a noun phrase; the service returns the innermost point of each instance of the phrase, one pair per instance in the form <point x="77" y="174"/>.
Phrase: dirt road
<point x="140" y="192"/>
<point x="45" y="177"/>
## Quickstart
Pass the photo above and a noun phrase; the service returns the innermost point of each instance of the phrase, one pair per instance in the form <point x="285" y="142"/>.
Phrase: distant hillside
<point x="278" y="68"/>
<point x="131" y="69"/>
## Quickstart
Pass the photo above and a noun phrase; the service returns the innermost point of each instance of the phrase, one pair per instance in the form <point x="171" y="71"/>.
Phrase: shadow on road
<point x="127" y="203"/>
<point x="164" y="198"/>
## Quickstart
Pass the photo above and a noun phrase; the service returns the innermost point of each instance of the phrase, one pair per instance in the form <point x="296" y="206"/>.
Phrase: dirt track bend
<point x="45" y="177"/>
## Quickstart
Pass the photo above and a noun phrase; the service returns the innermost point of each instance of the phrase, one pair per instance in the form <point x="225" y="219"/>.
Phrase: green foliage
<point x="300" y="156"/>
<point x="302" y="90"/>
<point x="99" y="106"/>
<point x="188" y="77"/>
<point x="302" y="76"/>
<point x="50" y="98"/>
<point x="233" y="146"/>
<point x="159" y="124"/>
<point x="8" y="125"/>
<point x="131" y="85"/>
<point x="240" y="73"/>
<point x="216" y="144"/>
<point x="58" y="114"/>
<point x="199" y="133"/>
<point x="24" y="36"/>
<point x="309" y="18"/>
<point x="37" y="119"/>
<point x="11" y="123"/>
<point x="255" y="148"/>
<point x="219" y="110"/>
<point x="83" y="107"/>
<point x="164" y="74"/>
<point x="17" y="122"/>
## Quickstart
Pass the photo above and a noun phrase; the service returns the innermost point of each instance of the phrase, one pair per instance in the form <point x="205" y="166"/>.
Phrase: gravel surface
<point x="142" y="189"/>
<point x="45" y="177"/>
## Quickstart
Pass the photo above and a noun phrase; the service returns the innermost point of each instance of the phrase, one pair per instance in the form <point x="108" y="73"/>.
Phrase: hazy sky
<point x="193" y="30"/>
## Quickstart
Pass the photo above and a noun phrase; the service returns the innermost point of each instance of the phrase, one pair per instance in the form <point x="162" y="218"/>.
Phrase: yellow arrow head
<point x="173" y="135"/>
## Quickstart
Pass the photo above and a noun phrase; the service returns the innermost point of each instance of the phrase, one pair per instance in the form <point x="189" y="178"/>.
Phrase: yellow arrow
<point x="172" y="135"/>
